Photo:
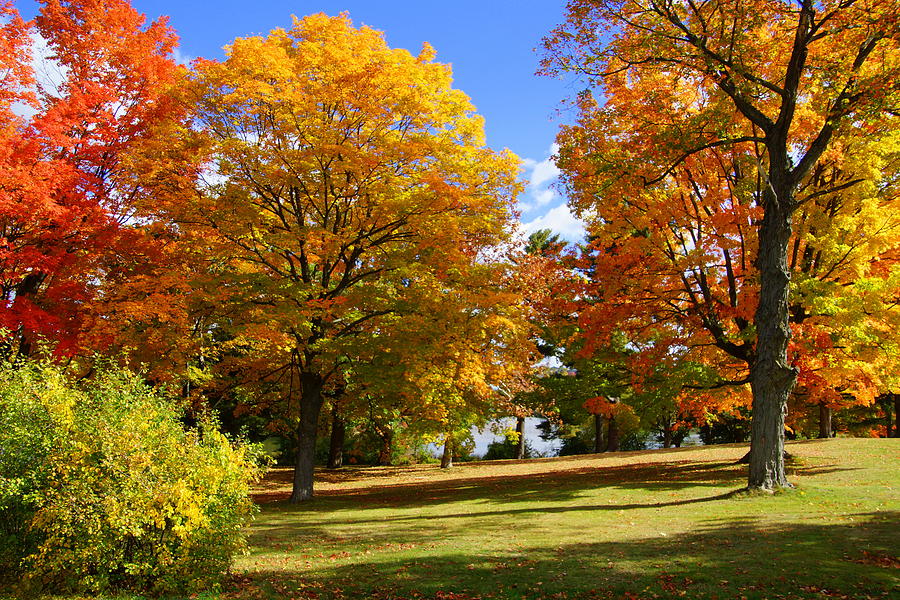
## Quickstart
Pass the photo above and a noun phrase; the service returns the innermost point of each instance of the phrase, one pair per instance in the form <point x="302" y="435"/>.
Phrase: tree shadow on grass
<point x="721" y="558"/>
<point x="291" y="533"/>
<point x="559" y="485"/>
<point x="314" y="530"/>
<point x="414" y="510"/>
<point x="556" y="485"/>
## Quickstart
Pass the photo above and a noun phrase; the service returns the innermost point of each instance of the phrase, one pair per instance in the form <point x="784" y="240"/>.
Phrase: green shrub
<point x="101" y="486"/>
<point x="507" y="448"/>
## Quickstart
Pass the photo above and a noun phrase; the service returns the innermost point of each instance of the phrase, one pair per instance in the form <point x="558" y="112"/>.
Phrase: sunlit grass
<point x="659" y="524"/>
<point x="650" y="524"/>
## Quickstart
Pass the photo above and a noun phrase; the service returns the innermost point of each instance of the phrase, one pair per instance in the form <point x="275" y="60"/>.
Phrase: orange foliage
<point x="671" y="170"/>
<point x="68" y="191"/>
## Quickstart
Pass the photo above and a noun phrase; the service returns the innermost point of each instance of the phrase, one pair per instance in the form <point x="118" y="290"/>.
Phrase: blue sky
<point x="491" y="45"/>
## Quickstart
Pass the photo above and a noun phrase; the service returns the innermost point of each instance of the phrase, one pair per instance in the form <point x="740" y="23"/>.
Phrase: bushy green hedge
<point x="101" y="486"/>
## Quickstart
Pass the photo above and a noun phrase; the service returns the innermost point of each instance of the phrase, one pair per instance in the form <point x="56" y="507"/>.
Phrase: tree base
<point x="745" y="460"/>
<point x="768" y="491"/>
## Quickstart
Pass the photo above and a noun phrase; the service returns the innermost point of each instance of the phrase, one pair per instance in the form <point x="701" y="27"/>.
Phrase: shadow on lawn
<point x="418" y="526"/>
<point x="557" y="485"/>
<point x="484" y="500"/>
<point x="727" y="558"/>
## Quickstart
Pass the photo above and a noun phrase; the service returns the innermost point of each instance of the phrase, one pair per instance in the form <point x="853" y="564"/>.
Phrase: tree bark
<point x="598" y="433"/>
<point x="385" y="455"/>
<point x="311" y="400"/>
<point x="520" y="441"/>
<point x="667" y="434"/>
<point x="612" y="435"/>
<point x="896" y="415"/>
<point x="771" y="378"/>
<point x="338" y="435"/>
<point x="447" y="456"/>
<point x="28" y="288"/>
<point x="824" y="420"/>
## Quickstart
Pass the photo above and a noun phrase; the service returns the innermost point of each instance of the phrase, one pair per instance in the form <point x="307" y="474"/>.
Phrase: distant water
<point x="485" y="436"/>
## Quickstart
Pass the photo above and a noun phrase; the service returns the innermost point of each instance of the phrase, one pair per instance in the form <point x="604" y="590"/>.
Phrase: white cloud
<point x="539" y="198"/>
<point x="535" y="199"/>
<point x="560" y="220"/>
<point x="540" y="177"/>
<point x="48" y="72"/>
<point x="544" y="197"/>
<point x="181" y="58"/>
<point x="542" y="172"/>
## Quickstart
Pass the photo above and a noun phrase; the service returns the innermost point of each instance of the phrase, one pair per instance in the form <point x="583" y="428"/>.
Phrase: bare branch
<point x="693" y="151"/>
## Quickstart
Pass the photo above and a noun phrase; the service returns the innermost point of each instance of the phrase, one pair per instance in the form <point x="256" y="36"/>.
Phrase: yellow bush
<point x="111" y="490"/>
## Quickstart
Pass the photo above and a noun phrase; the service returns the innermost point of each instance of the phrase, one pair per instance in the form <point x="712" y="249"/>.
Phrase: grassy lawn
<point x="658" y="524"/>
<point x="663" y="524"/>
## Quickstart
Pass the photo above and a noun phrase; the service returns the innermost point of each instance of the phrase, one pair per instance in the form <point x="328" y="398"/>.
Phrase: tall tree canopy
<point x="342" y="171"/>
<point x="721" y="120"/>
<point x="68" y="152"/>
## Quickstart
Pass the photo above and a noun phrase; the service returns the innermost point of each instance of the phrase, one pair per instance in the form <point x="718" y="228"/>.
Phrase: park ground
<point x="655" y="524"/>
<point x="632" y="525"/>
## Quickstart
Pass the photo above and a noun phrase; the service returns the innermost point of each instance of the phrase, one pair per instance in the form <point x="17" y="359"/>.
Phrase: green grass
<point x="653" y="524"/>
<point x="664" y="524"/>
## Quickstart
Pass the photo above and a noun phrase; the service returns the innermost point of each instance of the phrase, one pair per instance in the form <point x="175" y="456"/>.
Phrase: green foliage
<point x="575" y="445"/>
<point x="35" y="409"/>
<point x="506" y="448"/>
<point x="634" y="440"/>
<point x="726" y="429"/>
<point x="110" y="489"/>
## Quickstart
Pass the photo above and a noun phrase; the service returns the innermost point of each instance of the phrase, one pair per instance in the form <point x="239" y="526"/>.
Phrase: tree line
<point x="312" y="231"/>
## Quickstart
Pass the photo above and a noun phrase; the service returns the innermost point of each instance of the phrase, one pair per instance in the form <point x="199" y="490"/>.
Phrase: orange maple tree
<point x="69" y="188"/>
<point x="721" y="122"/>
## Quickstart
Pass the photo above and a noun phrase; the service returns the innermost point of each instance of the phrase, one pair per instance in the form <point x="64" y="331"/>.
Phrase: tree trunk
<point x="598" y="433"/>
<point x="520" y="441"/>
<point x="885" y="400"/>
<point x="896" y="415"/>
<point x="612" y="436"/>
<point x="311" y="400"/>
<point x="385" y="456"/>
<point x="771" y="378"/>
<point x="28" y="288"/>
<point x="447" y="456"/>
<point x="667" y="434"/>
<point x="338" y="434"/>
<point x="824" y="420"/>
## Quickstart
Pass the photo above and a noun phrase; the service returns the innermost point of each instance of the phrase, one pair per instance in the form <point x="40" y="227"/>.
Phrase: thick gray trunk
<point x="520" y="442"/>
<point x="447" y="456"/>
<point x="612" y="436"/>
<point x="598" y="433"/>
<point x="667" y="434"/>
<point x="311" y="400"/>
<point x="336" y="445"/>
<point x="385" y="456"/>
<point x="771" y="377"/>
<point x="824" y="420"/>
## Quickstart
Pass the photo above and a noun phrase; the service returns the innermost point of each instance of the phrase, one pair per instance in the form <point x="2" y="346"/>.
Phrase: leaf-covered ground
<point x="659" y="524"/>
